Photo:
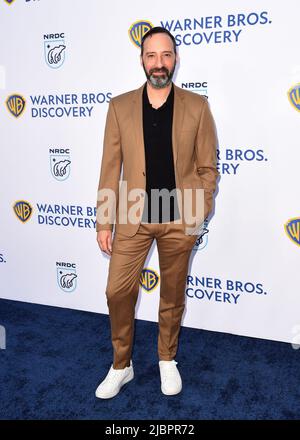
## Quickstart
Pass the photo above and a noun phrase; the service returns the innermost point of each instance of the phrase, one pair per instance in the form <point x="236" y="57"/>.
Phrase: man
<point x="165" y="139"/>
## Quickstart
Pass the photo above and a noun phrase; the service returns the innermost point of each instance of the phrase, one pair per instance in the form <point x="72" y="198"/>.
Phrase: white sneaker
<point x="171" y="382"/>
<point x="113" y="382"/>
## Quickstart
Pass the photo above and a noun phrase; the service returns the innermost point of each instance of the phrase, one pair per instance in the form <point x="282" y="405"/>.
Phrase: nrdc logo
<point x="15" y="104"/>
<point x="66" y="276"/>
<point x="149" y="279"/>
<point x="294" y="96"/>
<point x="137" y="30"/>
<point x="60" y="162"/>
<point x="202" y="239"/>
<point x="54" y="48"/>
<point x="196" y="87"/>
<point x="292" y="228"/>
<point x="23" y="210"/>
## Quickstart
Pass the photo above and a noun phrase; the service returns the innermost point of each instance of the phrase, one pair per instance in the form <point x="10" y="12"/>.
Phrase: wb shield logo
<point x="15" y="105"/>
<point x="148" y="279"/>
<point x="294" y="96"/>
<point x="67" y="279"/>
<point x="292" y="228"/>
<point x="23" y="210"/>
<point x="60" y="166"/>
<point x="55" y="53"/>
<point x="137" y="30"/>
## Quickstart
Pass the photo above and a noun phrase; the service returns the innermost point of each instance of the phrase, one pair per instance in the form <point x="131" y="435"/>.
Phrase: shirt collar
<point x="167" y="103"/>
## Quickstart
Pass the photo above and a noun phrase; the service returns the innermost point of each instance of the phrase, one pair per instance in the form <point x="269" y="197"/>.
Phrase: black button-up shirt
<point x="157" y="125"/>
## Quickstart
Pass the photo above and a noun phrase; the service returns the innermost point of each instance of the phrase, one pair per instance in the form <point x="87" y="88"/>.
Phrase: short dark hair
<point x="157" y="30"/>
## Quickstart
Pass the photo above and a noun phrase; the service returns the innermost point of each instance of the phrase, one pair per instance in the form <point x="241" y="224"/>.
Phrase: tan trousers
<point x="126" y="263"/>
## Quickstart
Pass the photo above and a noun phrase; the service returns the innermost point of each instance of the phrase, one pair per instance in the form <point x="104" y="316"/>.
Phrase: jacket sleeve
<point x="206" y="156"/>
<point x="109" y="173"/>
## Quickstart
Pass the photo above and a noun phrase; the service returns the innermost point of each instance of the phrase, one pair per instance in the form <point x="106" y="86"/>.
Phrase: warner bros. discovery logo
<point x="294" y="96"/>
<point x="292" y="229"/>
<point x="54" y="49"/>
<point x="60" y="161"/>
<point x="15" y="104"/>
<point x="23" y="210"/>
<point x="149" y="279"/>
<point x="137" y="30"/>
<point x="66" y="276"/>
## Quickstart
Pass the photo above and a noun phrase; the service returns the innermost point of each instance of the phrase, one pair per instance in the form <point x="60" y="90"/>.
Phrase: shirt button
<point x="154" y="124"/>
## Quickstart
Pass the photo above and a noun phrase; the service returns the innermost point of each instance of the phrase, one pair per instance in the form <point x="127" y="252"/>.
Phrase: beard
<point x="161" y="80"/>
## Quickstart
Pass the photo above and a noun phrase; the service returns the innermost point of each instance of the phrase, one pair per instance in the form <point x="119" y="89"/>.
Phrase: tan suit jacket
<point x="194" y="143"/>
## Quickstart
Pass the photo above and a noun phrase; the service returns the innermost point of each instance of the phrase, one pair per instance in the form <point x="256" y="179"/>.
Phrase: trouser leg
<point x="126" y="263"/>
<point x="174" y="249"/>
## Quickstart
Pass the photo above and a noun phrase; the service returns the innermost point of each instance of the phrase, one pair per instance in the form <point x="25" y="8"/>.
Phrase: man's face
<point x="159" y="60"/>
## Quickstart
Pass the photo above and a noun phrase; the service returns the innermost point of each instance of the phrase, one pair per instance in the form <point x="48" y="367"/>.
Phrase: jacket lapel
<point x="137" y="119"/>
<point x="178" y="114"/>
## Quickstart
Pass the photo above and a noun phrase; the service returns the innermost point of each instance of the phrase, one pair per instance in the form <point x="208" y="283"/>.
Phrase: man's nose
<point x="159" y="63"/>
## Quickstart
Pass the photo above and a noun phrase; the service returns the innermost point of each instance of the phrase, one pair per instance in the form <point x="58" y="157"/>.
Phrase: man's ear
<point x="141" y="60"/>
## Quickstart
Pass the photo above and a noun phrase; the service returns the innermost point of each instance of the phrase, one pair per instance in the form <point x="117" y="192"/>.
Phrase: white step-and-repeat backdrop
<point x="61" y="62"/>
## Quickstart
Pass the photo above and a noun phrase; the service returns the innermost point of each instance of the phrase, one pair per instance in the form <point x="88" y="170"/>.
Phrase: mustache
<point x="162" y="70"/>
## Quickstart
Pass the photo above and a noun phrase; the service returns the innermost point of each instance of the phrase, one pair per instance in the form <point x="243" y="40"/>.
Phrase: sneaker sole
<point x="170" y="393"/>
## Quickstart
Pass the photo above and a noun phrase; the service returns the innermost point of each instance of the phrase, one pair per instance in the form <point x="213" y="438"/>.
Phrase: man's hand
<point x="104" y="239"/>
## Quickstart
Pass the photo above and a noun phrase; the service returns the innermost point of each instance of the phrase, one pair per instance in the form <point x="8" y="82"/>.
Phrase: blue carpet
<point x="55" y="358"/>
